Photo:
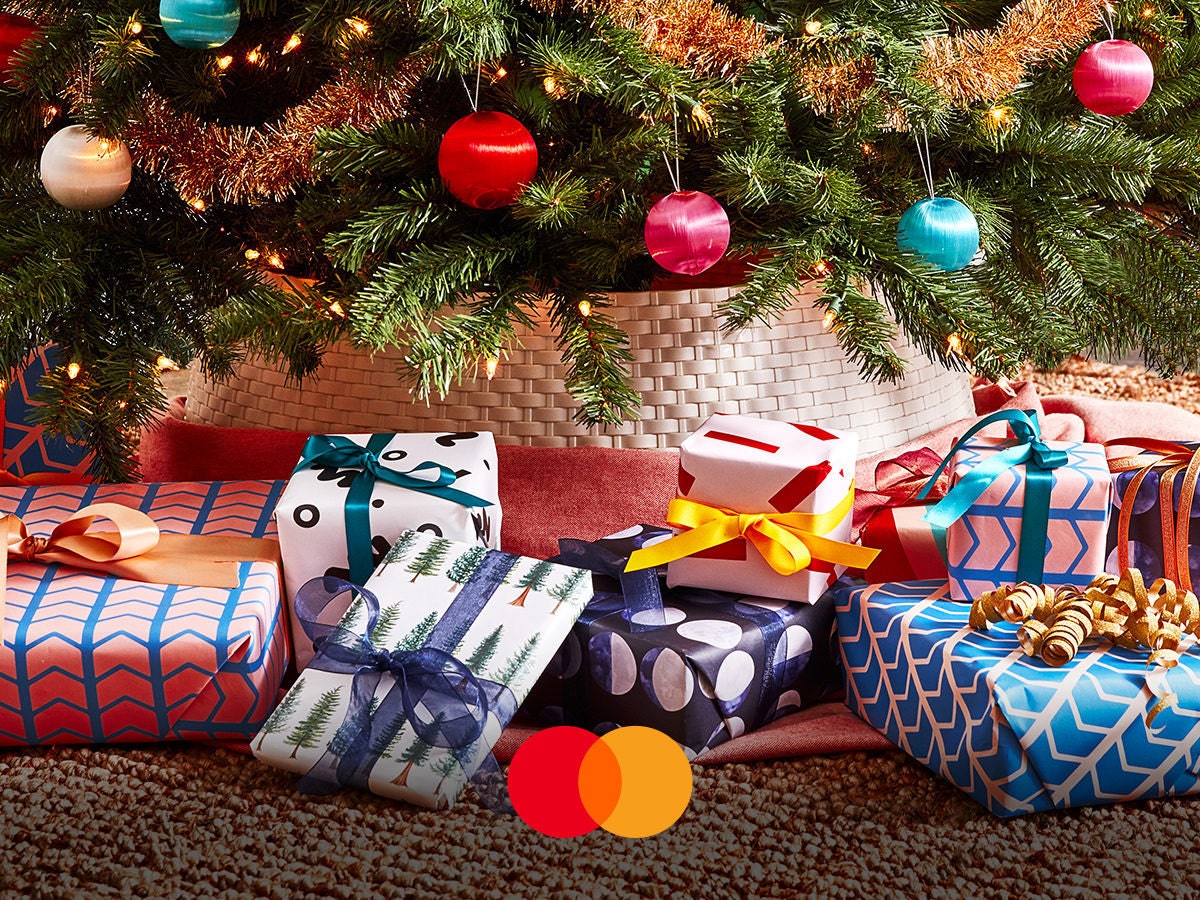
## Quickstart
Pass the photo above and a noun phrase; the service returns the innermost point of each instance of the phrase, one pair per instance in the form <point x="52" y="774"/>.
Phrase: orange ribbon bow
<point x="137" y="551"/>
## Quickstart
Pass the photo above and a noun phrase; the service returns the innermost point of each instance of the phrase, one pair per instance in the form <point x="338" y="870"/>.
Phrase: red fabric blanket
<point x="588" y="492"/>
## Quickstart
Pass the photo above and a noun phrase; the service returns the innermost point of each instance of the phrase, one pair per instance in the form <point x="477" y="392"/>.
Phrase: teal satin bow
<point x="335" y="451"/>
<point x="1039" y="460"/>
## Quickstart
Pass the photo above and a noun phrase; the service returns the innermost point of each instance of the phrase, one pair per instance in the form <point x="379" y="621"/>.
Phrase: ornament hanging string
<point x="674" y="171"/>
<point x="924" y="159"/>
<point x="473" y="98"/>
<point x="1107" y="19"/>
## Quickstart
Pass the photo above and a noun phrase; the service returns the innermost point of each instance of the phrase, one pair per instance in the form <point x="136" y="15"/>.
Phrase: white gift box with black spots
<point x="312" y="520"/>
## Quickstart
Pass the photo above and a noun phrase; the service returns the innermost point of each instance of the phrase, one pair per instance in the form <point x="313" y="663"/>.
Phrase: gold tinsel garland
<point x="989" y="64"/>
<point x="1123" y="611"/>
<point x="700" y="34"/>
<point x="240" y="164"/>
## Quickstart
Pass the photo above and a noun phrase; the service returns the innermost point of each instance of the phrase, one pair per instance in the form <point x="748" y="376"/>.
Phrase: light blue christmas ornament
<point x="941" y="230"/>
<point x="200" y="24"/>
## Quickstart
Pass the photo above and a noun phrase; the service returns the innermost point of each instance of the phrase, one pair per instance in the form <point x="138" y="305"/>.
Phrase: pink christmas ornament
<point x="1113" y="78"/>
<point x="687" y="232"/>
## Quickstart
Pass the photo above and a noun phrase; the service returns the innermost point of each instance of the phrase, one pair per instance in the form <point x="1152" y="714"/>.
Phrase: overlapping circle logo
<point x="633" y="782"/>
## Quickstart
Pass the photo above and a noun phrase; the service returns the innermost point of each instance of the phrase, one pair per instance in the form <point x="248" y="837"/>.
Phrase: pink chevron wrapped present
<point x="1004" y="527"/>
<point x="90" y="658"/>
<point x="758" y="466"/>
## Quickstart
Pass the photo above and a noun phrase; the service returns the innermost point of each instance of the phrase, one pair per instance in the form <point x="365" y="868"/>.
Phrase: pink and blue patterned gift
<point x="91" y="658"/>
<point x="1022" y="508"/>
<point x="1016" y="734"/>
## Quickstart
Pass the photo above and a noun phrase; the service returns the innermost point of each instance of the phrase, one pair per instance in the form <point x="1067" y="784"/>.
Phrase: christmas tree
<point x="290" y="186"/>
<point x="311" y="730"/>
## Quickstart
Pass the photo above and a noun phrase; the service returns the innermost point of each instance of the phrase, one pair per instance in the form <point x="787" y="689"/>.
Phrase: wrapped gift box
<point x="717" y="666"/>
<point x="89" y="658"/>
<point x="313" y="519"/>
<point x="910" y="548"/>
<point x="750" y="465"/>
<point x="501" y="615"/>
<point x="983" y="546"/>
<point x="28" y="450"/>
<point x="1155" y="543"/>
<point x="1016" y="734"/>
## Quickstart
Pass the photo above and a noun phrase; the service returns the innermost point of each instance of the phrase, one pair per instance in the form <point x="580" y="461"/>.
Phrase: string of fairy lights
<point x="488" y="157"/>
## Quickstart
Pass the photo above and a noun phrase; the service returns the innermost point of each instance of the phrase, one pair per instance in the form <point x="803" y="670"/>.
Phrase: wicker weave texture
<point x="684" y="367"/>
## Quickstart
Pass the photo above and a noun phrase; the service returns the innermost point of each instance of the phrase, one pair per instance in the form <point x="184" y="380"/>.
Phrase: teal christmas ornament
<point x="200" y="24"/>
<point x="941" y="230"/>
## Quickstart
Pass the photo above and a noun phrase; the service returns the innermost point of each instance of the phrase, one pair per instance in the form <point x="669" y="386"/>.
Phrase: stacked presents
<point x="1025" y="675"/>
<point x="374" y="584"/>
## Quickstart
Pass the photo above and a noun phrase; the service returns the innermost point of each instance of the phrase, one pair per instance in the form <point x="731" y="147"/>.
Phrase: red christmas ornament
<point x="1113" y="78"/>
<point x="487" y="158"/>
<point x="14" y="31"/>
<point x="687" y="232"/>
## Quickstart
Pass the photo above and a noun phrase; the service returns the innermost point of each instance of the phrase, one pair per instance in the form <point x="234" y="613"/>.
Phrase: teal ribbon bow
<point x="324" y="451"/>
<point x="1039" y="460"/>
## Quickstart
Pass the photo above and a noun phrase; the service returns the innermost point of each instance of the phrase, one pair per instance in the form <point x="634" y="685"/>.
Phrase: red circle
<point x="487" y="158"/>
<point x="543" y="781"/>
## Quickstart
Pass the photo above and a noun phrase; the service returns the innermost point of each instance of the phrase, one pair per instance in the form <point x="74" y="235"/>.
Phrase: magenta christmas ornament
<point x="687" y="232"/>
<point x="1113" y="78"/>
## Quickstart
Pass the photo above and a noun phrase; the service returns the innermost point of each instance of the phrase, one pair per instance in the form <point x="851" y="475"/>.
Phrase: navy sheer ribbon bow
<point x="435" y="693"/>
<point x="641" y="590"/>
<point x="334" y="451"/>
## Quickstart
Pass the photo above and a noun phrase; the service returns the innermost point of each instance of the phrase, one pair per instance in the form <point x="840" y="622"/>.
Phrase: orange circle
<point x="655" y="784"/>
<point x="600" y="781"/>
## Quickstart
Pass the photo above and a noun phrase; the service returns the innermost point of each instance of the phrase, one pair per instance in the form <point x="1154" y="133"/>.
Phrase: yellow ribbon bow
<point x="137" y="551"/>
<point x="788" y="542"/>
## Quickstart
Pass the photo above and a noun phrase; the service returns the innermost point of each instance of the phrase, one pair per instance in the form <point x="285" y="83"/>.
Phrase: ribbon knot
<point x="431" y="690"/>
<point x="32" y="547"/>
<point x="335" y="451"/>
<point x="787" y="541"/>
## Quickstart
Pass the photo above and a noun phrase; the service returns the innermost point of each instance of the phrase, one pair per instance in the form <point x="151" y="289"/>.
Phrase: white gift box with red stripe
<point x="753" y="466"/>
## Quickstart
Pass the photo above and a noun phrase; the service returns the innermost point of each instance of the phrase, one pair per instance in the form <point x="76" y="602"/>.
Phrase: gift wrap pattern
<point x="312" y="517"/>
<point x="28" y="450"/>
<point x="1017" y="735"/>
<point x="500" y="614"/>
<point x="982" y="547"/>
<point x="89" y="658"/>
<point x="713" y="666"/>
<point x="751" y="465"/>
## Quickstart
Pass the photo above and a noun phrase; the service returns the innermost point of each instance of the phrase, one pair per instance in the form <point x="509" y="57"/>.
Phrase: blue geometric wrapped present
<point x="1017" y="734"/>
<point x="701" y="666"/>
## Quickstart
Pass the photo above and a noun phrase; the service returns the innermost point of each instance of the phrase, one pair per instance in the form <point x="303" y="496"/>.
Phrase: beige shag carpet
<point x="196" y="821"/>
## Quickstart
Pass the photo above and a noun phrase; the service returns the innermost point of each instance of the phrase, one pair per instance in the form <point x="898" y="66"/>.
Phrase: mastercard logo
<point x="633" y="782"/>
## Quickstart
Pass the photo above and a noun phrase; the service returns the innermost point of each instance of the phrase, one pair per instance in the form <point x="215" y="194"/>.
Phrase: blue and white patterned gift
<point x="1016" y="734"/>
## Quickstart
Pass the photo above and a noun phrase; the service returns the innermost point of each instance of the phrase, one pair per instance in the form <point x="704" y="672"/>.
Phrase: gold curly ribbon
<point x="1123" y="611"/>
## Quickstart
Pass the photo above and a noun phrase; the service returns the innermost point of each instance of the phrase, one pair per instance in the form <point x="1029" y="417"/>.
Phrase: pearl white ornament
<point x="84" y="172"/>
